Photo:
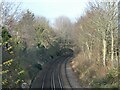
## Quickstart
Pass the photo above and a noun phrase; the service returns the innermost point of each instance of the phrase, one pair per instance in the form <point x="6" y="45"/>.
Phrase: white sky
<point x="55" y="8"/>
<point x="52" y="9"/>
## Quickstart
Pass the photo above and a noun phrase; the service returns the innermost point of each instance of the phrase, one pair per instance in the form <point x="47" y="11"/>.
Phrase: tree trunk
<point x="104" y="52"/>
<point x="112" y="48"/>
<point x="89" y="52"/>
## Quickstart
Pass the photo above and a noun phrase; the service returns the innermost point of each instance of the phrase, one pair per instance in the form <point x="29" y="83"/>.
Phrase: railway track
<point x="66" y="74"/>
<point x="47" y="79"/>
<point x="53" y="77"/>
<point x="56" y="77"/>
<point x="65" y="78"/>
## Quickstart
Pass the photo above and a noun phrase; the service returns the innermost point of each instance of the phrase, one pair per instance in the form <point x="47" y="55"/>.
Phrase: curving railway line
<point x="53" y="76"/>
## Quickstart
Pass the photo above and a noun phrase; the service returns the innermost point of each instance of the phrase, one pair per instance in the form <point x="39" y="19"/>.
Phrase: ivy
<point x="12" y="73"/>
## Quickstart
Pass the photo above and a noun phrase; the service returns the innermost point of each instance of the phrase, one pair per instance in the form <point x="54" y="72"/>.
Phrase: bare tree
<point x="9" y="11"/>
<point x="100" y="25"/>
<point x="63" y="28"/>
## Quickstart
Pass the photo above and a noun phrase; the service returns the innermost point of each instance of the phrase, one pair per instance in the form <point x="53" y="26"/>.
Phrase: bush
<point x="109" y="81"/>
<point x="93" y="74"/>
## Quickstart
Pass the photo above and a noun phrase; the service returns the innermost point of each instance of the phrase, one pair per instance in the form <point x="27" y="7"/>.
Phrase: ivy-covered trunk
<point x="12" y="73"/>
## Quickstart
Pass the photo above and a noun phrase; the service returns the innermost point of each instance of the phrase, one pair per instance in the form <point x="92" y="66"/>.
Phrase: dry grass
<point x="88" y="69"/>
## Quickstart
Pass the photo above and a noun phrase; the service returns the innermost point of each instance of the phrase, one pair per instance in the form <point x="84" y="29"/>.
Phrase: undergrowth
<point x="92" y="74"/>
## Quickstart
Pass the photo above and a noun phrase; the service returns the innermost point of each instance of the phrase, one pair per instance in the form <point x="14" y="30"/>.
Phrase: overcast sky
<point x="52" y="9"/>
